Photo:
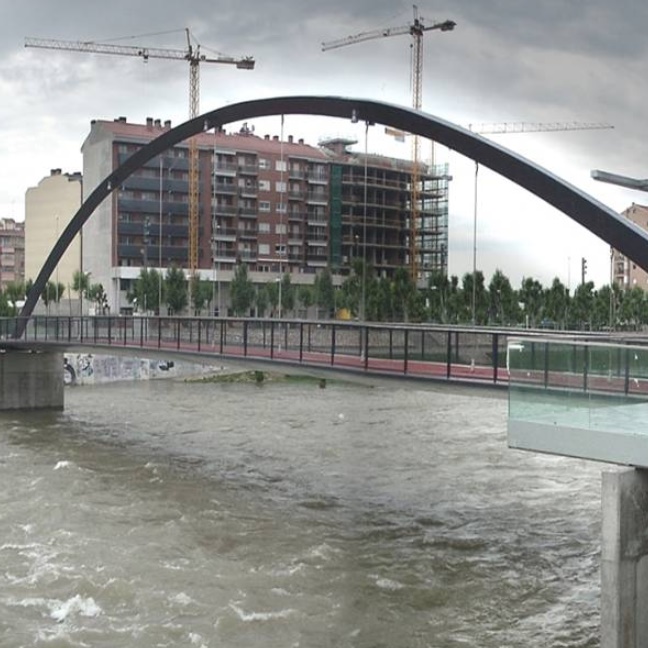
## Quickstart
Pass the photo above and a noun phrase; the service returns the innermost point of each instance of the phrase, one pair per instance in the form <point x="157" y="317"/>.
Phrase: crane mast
<point x="193" y="55"/>
<point x="416" y="29"/>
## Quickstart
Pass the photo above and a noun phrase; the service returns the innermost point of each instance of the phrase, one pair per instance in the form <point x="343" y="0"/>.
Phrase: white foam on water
<point x="261" y="616"/>
<point x="62" y="464"/>
<point x="61" y="610"/>
<point x="196" y="640"/>
<point x="182" y="599"/>
<point x="388" y="584"/>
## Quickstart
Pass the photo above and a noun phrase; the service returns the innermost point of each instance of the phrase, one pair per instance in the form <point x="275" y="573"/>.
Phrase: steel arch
<point x="602" y="221"/>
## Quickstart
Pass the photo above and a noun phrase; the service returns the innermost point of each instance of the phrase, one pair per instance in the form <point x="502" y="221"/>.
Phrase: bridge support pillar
<point x="624" y="559"/>
<point x="31" y="380"/>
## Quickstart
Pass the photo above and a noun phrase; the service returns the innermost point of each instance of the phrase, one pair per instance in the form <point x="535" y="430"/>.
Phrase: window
<point x="280" y="250"/>
<point x="264" y="185"/>
<point x="264" y="206"/>
<point x="280" y="228"/>
<point x="264" y="228"/>
<point x="281" y="208"/>
<point x="263" y="163"/>
<point x="264" y="248"/>
<point x="280" y="165"/>
<point x="280" y="187"/>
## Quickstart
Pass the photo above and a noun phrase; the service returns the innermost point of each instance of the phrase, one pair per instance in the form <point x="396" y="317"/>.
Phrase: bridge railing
<point x="579" y="398"/>
<point x="419" y="350"/>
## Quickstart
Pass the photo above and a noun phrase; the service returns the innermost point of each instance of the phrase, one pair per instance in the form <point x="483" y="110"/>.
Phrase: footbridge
<point x="322" y="348"/>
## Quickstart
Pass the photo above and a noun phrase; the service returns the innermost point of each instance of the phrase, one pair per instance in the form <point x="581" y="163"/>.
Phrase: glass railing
<point x="579" y="398"/>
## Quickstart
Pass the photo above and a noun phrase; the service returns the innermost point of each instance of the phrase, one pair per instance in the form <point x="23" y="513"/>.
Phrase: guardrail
<point x="474" y="355"/>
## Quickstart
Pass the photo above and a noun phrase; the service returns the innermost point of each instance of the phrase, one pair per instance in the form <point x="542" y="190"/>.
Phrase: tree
<point x="324" y="291"/>
<point x="633" y="307"/>
<point x="404" y="290"/>
<point x="503" y="301"/>
<point x="202" y="292"/>
<point x="97" y="295"/>
<point x="241" y="291"/>
<point x="306" y="296"/>
<point x="556" y="303"/>
<point x="481" y="299"/>
<point x="383" y="296"/>
<point x="52" y="293"/>
<point x="146" y="290"/>
<point x="438" y="293"/>
<point x="80" y="285"/>
<point x="14" y="293"/>
<point x="531" y="294"/>
<point x="175" y="290"/>
<point x="262" y="300"/>
<point x="582" y="305"/>
<point x="287" y="294"/>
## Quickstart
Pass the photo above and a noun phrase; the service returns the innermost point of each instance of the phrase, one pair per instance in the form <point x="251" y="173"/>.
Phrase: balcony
<point x="225" y="188"/>
<point x="248" y="232"/>
<point x="317" y="197"/>
<point x="247" y="212"/>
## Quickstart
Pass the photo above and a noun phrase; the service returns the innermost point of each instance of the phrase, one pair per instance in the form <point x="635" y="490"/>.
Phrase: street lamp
<point x="640" y="184"/>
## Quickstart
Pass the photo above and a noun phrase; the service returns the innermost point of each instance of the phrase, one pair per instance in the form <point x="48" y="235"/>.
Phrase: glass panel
<point x="579" y="384"/>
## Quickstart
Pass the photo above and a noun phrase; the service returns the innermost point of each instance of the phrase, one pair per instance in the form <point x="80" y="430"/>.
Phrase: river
<point x="170" y="513"/>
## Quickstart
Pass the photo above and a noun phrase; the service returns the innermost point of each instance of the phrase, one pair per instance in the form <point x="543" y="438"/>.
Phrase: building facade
<point x="276" y="204"/>
<point x="49" y="207"/>
<point x="12" y="252"/>
<point x="625" y="272"/>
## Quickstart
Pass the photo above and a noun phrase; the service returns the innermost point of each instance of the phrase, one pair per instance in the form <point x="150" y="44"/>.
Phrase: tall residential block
<point x="49" y="207"/>
<point x="625" y="272"/>
<point x="276" y="204"/>
<point x="12" y="252"/>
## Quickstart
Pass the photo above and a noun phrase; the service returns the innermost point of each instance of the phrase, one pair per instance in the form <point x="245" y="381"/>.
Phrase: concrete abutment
<point x="624" y="559"/>
<point x="31" y="380"/>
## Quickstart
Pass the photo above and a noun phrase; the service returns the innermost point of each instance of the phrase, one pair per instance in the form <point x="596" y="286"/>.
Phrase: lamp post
<point x="57" y="269"/>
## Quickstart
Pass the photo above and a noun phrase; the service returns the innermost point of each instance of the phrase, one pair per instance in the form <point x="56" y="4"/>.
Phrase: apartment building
<point x="49" y="207"/>
<point x="277" y="204"/>
<point x="625" y="272"/>
<point x="371" y="212"/>
<point x="12" y="252"/>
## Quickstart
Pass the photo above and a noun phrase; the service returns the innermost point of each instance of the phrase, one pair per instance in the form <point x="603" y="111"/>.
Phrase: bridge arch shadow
<point x="599" y="219"/>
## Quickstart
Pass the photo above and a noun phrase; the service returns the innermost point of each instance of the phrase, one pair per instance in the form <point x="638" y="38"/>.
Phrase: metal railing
<point x="422" y="351"/>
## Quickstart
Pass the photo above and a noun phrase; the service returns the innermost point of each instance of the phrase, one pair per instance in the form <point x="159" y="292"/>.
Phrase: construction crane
<point x="500" y="128"/>
<point x="193" y="55"/>
<point x="415" y="29"/>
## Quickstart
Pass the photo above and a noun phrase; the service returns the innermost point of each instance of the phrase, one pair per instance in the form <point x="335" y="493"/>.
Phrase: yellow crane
<point x="191" y="54"/>
<point x="415" y="29"/>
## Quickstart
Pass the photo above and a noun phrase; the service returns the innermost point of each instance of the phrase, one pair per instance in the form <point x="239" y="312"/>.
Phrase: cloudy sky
<point x="561" y="61"/>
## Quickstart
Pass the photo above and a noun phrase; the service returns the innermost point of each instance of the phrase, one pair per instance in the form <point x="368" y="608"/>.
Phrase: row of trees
<point x="53" y="293"/>
<point x="363" y="295"/>
<point x="445" y="300"/>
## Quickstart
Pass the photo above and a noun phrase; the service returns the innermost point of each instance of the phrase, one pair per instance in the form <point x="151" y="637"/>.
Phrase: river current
<point x="170" y="513"/>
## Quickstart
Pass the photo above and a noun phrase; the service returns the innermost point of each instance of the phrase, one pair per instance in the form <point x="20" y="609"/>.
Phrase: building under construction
<point x="277" y="206"/>
<point x="371" y="212"/>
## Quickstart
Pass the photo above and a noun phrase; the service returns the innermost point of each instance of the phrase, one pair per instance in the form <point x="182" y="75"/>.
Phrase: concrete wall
<point x="624" y="559"/>
<point x="31" y="380"/>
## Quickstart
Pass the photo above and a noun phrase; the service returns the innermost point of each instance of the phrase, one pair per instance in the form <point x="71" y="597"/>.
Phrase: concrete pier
<point x="624" y="559"/>
<point x="31" y="380"/>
